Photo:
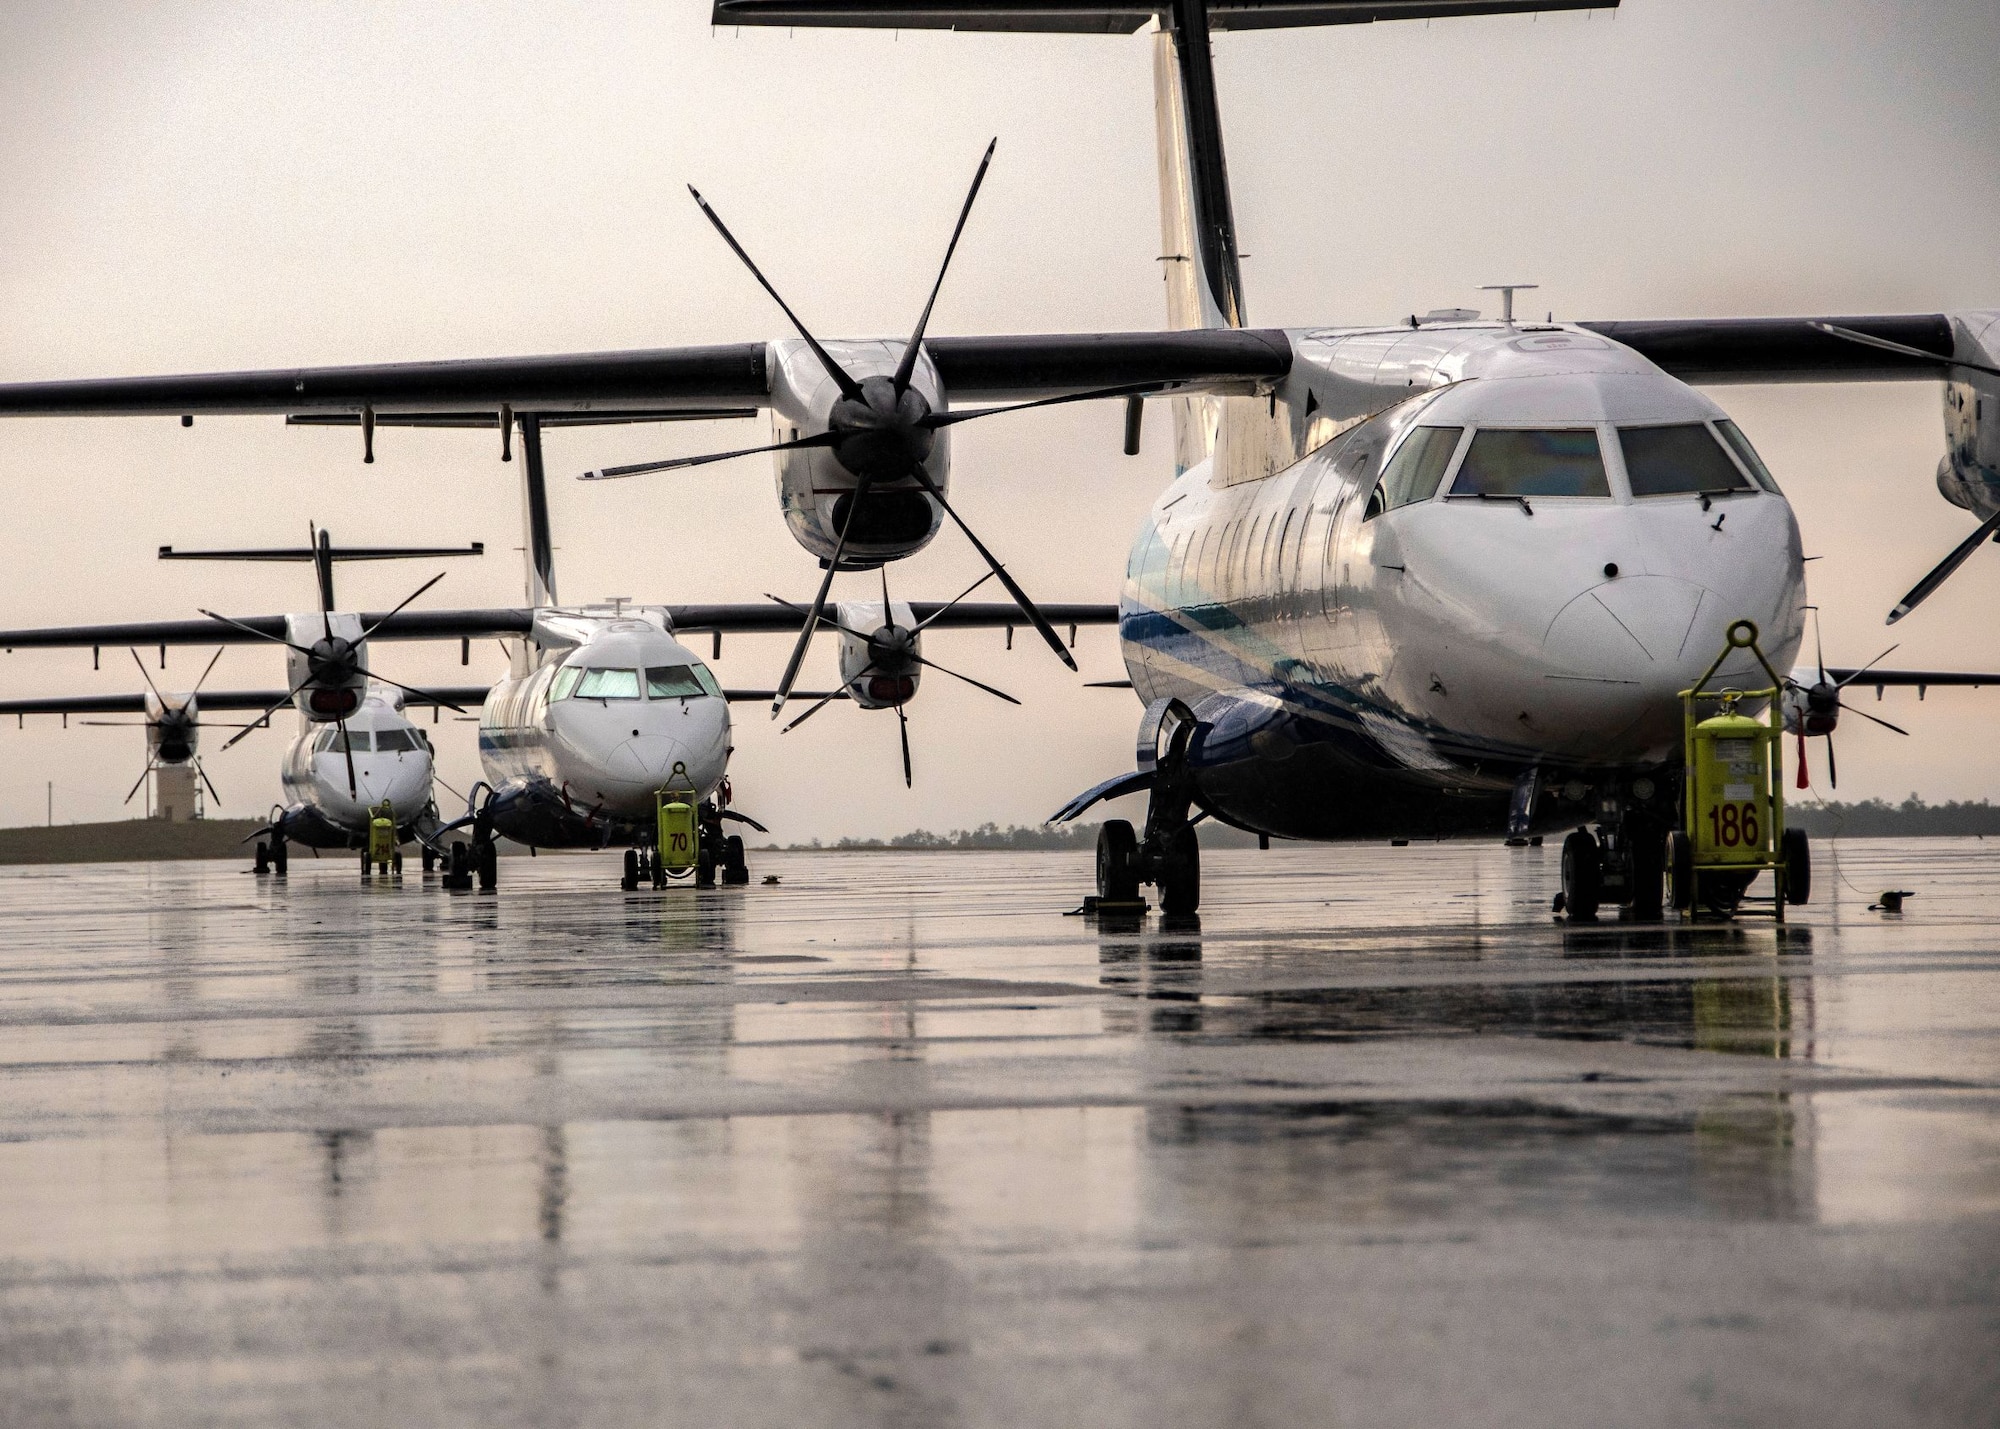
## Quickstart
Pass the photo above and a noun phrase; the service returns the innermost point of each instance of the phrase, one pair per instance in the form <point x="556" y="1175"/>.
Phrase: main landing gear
<point x="1168" y="855"/>
<point x="715" y="853"/>
<point x="1623" y="863"/>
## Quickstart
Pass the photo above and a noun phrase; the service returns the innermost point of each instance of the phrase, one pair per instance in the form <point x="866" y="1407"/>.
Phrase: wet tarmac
<point x="893" y="1142"/>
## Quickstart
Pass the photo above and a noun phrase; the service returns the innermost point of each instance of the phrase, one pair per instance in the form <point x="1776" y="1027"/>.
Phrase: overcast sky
<point x="198" y="187"/>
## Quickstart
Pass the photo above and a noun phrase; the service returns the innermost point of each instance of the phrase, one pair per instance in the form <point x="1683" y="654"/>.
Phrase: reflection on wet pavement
<point x="1373" y="1140"/>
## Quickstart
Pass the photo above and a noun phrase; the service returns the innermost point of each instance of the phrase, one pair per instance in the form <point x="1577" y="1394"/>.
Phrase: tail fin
<point x="1197" y="225"/>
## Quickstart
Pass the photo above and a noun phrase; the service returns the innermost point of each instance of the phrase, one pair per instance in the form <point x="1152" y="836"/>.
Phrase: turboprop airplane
<point x="1441" y="574"/>
<point x="603" y="710"/>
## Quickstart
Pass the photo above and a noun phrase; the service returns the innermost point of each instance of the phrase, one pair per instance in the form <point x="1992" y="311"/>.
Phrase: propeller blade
<point x="614" y="473"/>
<point x="424" y="695"/>
<point x="819" y="603"/>
<point x="933" y="665"/>
<point x="918" y="628"/>
<point x="824" y="619"/>
<point x="830" y="696"/>
<point x="347" y="748"/>
<point x="1832" y="769"/>
<point x="1941" y="572"/>
<point x="848" y="386"/>
<point x="262" y="719"/>
<point x="1865" y="715"/>
<point x="903" y="727"/>
<point x="909" y="363"/>
<point x="251" y="630"/>
<point x="146" y="677"/>
<point x="118" y="723"/>
<point x="141" y="780"/>
<point x="210" y="782"/>
<point x="1819" y="648"/>
<point x="204" y="676"/>
<point x="1129" y="389"/>
<point x="1865" y="668"/>
<point x="399" y="609"/>
<point x="1850" y="335"/>
<point x="1028" y="607"/>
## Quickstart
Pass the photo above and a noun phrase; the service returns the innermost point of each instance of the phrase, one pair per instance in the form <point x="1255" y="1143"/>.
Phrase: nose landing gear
<point x="1622" y="864"/>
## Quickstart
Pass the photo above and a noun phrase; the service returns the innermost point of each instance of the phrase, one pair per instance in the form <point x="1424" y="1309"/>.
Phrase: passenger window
<point x="394" y="741"/>
<point x="608" y="685"/>
<point x="566" y="679"/>
<point x="1678" y="461"/>
<point x="1508" y="464"/>
<point x="1416" y="469"/>
<point x="666" y="682"/>
<point x="1740" y="444"/>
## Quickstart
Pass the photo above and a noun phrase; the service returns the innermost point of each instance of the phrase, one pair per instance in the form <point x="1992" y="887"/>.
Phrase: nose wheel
<point x="1621" y="864"/>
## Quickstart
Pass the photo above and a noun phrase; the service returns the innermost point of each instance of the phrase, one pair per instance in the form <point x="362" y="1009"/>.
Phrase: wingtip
<point x="1897" y="614"/>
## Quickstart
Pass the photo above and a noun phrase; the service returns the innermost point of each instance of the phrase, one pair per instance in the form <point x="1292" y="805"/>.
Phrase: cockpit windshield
<point x="1681" y="460"/>
<point x="395" y="741"/>
<point x="608" y="685"/>
<point x="1747" y="454"/>
<point x="1508" y="463"/>
<point x="667" y="682"/>
<point x="358" y="740"/>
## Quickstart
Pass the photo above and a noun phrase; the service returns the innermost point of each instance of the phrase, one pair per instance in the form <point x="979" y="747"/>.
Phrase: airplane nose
<point x="648" y="760"/>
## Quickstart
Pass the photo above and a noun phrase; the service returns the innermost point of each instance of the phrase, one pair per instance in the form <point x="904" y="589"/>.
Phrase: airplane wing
<point x="691" y="381"/>
<point x="1726" y="350"/>
<point x="261" y="629"/>
<point x="214" y="701"/>
<point x="481" y="624"/>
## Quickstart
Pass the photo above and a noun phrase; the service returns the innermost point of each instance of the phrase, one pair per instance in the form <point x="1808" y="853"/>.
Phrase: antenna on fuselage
<point x="1506" y="292"/>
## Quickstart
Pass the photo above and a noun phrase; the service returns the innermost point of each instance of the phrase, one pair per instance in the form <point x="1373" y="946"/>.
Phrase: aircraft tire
<point x="630" y="882"/>
<point x="487" y="854"/>
<point x="1648" y="870"/>
<point x="263" y="863"/>
<point x="1117" y="862"/>
<point x="366" y="865"/>
<point x="1680" y="870"/>
<point x="281" y="859"/>
<point x="735" y="868"/>
<point x="430" y="859"/>
<point x="1180" y="873"/>
<point x="1582" y="876"/>
<point x="1797" y="850"/>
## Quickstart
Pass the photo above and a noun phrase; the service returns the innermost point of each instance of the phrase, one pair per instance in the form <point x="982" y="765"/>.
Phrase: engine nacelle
<point x="877" y="646"/>
<point x="1811" y="702"/>
<point x="816" y="491"/>
<point x="330" y="681"/>
<point x="172" y="728"/>
<point x="1969" y="475"/>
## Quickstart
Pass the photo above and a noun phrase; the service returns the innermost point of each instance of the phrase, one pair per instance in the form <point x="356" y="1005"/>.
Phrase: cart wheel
<point x="1680" y="870"/>
<point x="1797" y="853"/>
<point x="1582" y="876"/>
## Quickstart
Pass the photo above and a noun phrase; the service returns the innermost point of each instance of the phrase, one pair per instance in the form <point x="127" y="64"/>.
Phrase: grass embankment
<point x="128" y="841"/>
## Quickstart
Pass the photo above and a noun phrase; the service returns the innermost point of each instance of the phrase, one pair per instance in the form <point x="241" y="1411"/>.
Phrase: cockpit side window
<point x="1747" y="454"/>
<point x="1681" y="460"/>
<point x="1507" y="463"/>
<point x="1415" y="470"/>
<point x="666" y="682"/>
<point x="608" y="685"/>
<point x="565" y="682"/>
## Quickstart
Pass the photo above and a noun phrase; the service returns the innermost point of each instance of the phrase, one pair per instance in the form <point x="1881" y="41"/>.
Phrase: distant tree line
<point x="1876" y="818"/>
<point x="1017" y="837"/>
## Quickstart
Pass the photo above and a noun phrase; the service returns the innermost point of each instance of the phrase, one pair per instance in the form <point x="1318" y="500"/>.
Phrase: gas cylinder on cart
<point x="382" y="834"/>
<point x="680" y="831"/>
<point x="1730" y="790"/>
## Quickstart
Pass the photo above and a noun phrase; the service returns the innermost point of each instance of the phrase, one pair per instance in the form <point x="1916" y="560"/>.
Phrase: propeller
<point x="892" y="653"/>
<point x="1824" y="706"/>
<point x="176" y="724"/>
<point x="1942" y="571"/>
<point x="882" y="430"/>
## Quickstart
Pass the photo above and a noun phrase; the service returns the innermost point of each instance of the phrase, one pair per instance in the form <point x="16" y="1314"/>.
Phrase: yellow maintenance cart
<point x="382" y="851"/>
<point x="1733" y="810"/>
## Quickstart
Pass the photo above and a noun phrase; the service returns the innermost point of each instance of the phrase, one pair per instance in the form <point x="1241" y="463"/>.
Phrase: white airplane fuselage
<point x="608" y="712"/>
<point x="1364" y="671"/>
<point x="392" y="763"/>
